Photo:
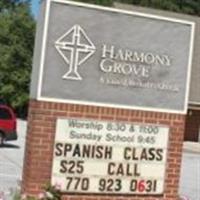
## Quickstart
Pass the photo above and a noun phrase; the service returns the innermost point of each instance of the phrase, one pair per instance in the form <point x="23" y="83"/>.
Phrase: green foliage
<point x="17" y="28"/>
<point x="17" y="196"/>
<point x="50" y="193"/>
<point x="54" y="191"/>
<point x="7" y="4"/>
<point x="183" y="6"/>
<point x="99" y="2"/>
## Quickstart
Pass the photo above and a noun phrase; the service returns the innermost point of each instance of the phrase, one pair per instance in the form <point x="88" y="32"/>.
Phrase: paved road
<point x="190" y="176"/>
<point x="11" y="163"/>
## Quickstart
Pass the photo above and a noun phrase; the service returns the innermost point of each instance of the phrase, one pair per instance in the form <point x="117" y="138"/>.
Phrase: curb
<point x="191" y="147"/>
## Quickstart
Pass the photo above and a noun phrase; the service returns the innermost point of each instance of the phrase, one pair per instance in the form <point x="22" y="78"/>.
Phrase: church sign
<point x="108" y="57"/>
<point x="105" y="157"/>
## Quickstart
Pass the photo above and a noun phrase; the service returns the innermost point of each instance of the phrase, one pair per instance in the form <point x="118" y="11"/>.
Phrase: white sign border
<point x="59" y="100"/>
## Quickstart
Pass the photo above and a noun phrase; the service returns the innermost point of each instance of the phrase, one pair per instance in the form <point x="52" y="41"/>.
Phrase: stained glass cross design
<point x="80" y="48"/>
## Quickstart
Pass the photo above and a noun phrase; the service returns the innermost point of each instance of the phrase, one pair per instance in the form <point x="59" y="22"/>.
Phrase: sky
<point x="35" y="7"/>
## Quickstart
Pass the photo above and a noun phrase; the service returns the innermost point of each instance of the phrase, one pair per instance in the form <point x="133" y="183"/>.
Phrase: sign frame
<point x="112" y="105"/>
<point x="122" y="122"/>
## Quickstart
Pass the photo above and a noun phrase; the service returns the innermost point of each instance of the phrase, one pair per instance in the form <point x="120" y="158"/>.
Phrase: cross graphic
<point x="76" y="42"/>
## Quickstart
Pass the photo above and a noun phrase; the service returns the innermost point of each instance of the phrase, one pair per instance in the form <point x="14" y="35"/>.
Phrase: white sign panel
<point x="109" y="157"/>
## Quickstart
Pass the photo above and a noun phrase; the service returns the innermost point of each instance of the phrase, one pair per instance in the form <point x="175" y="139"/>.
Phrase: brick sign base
<point x="40" y="142"/>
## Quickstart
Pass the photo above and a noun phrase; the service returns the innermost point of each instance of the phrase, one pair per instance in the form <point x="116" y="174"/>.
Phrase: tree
<point x="17" y="30"/>
<point x="99" y="2"/>
<point x="183" y="6"/>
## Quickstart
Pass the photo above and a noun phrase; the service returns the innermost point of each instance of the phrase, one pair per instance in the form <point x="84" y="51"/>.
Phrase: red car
<point x="8" y="124"/>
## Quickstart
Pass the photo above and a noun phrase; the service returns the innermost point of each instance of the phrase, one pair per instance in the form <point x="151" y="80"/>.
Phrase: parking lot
<point x="11" y="164"/>
<point x="11" y="160"/>
<point x="190" y="176"/>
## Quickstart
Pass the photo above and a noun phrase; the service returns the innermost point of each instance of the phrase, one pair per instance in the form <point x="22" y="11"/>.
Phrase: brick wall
<point x="40" y="140"/>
